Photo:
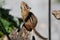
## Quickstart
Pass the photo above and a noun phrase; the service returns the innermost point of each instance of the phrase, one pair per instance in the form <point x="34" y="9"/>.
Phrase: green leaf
<point x="1" y="34"/>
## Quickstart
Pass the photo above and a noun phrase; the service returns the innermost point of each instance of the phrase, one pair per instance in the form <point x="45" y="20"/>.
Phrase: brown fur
<point x="25" y="11"/>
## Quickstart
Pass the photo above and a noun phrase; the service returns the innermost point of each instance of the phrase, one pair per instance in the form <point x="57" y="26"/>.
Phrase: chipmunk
<point x="28" y="17"/>
<point x="30" y="20"/>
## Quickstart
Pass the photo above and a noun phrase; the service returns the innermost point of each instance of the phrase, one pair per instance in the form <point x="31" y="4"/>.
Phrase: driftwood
<point x="23" y="34"/>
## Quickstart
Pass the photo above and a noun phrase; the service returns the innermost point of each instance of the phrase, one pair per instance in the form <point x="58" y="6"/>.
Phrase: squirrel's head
<point x="25" y="9"/>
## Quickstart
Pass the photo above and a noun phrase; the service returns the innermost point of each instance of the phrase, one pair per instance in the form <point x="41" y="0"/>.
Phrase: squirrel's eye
<point x="26" y="5"/>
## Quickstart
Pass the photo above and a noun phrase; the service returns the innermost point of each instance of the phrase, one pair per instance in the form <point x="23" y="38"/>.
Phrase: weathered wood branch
<point x="23" y="34"/>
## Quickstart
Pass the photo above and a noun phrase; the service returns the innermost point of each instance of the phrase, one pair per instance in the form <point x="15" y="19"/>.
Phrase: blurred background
<point x="38" y="7"/>
<point x="55" y="24"/>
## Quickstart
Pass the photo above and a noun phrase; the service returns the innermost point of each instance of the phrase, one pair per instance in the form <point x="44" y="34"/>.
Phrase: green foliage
<point x="1" y="34"/>
<point x="7" y="25"/>
<point x="7" y="22"/>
